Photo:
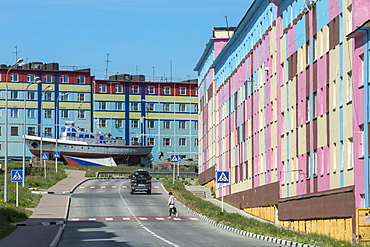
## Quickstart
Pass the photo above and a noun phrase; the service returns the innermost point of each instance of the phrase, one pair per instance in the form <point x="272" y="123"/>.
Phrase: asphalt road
<point x="104" y="213"/>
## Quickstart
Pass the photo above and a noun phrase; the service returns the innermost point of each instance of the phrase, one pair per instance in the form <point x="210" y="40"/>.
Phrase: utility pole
<point x="106" y="68"/>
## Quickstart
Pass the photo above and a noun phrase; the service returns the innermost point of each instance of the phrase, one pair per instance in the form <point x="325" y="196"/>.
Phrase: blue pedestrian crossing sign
<point x="176" y="158"/>
<point x="45" y="156"/>
<point x="56" y="155"/>
<point x="223" y="177"/>
<point x="17" y="175"/>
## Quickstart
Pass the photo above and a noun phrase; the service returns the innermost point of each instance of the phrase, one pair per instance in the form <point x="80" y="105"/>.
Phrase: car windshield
<point x="141" y="174"/>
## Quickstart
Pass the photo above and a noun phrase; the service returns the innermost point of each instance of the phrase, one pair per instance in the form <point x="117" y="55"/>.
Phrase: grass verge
<point x="237" y="221"/>
<point x="9" y="213"/>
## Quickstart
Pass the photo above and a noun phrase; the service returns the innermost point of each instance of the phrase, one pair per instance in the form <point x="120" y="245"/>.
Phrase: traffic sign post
<point x="175" y="158"/>
<point x="17" y="176"/>
<point x="222" y="177"/>
<point x="56" y="157"/>
<point x="45" y="157"/>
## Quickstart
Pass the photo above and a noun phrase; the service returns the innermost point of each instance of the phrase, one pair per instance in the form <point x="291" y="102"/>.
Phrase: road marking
<point x="156" y="187"/>
<point x="194" y="218"/>
<point x="114" y="186"/>
<point x="92" y="187"/>
<point x="75" y="219"/>
<point x="160" y="218"/>
<point x="176" y="219"/>
<point x="141" y="224"/>
<point x="82" y="187"/>
<point x="143" y="218"/>
<point x="108" y="219"/>
<point x="92" y="219"/>
<point x="126" y="218"/>
<point x="103" y="187"/>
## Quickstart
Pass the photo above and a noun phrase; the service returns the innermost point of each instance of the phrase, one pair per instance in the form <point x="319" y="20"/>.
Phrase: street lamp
<point x="48" y="87"/>
<point x="36" y="80"/>
<point x="56" y="128"/>
<point x="6" y="130"/>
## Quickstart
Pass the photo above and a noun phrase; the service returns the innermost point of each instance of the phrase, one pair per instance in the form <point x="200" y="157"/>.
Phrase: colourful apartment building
<point x="159" y="114"/>
<point x="284" y="106"/>
<point x="37" y="93"/>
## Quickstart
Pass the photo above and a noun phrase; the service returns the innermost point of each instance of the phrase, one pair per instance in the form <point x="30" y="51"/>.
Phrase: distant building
<point x="29" y="102"/>
<point x="160" y="114"/>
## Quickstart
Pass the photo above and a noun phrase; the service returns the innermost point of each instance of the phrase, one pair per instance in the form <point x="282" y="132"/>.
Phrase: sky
<point x="164" y="38"/>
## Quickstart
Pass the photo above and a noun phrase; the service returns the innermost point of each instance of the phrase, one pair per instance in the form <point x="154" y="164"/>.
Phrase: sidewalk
<point x="47" y="218"/>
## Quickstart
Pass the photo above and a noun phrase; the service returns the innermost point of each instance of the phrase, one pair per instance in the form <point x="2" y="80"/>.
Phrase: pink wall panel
<point x="333" y="9"/>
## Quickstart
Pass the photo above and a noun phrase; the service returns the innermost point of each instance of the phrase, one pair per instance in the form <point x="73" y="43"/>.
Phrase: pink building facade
<point x="284" y="107"/>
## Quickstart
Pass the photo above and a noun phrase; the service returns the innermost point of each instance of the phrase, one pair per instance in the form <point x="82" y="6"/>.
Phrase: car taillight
<point x="148" y="181"/>
<point x="133" y="181"/>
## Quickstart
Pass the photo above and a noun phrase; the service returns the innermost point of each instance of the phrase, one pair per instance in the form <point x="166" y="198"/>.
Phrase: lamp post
<point x="48" y="87"/>
<point x="36" y="80"/>
<point x="56" y="128"/>
<point x="6" y="131"/>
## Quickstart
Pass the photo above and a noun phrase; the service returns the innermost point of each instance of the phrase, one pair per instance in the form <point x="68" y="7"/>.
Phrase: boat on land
<point x="81" y="144"/>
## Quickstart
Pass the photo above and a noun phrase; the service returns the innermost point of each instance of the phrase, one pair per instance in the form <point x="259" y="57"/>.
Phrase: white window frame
<point x="13" y="77"/>
<point x="48" y="78"/>
<point x="134" y="141"/>
<point x="31" y="77"/>
<point x="31" y="95"/>
<point x="167" y="142"/>
<point x="135" y="124"/>
<point x="14" y="113"/>
<point x="182" y="142"/>
<point x="151" y="124"/>
<point x="48" y="114"/>
<point x="134" y="89"/>
<point x="14" y="94"/>
<point x="182" y="125"/>
<point x="119" y="88"/>
<point x="81" y="97"/>
<point x="31" y="113"/>
<point x="102" y="105"/>
<point x="81" y="79"/>
<point x="102" y="123"/>
<point x="166" y="107"/>
<point x="151" y="141"/>
<point x="166" y="124"/>
<point x="119" y="123"/>
<point x="64" y="114"/>
<point x="48" y="96"/>
<point x="134" y="106"/>
<point x="119" y="105"/>
<point x="48" y="131"/>
<point x="81" y="114"/>
<point x="167" y="90"/>
<point x="182" y="107"/>
<point x="182" y="90"/>
<point x="64" y="78"/>
<point x="102" y="88"/>
<point x="151" y="90"/>
<point x="150" y="107"/>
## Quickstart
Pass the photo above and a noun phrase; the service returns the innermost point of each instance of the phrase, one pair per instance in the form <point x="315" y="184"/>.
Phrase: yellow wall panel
<point x="75" y="87"/>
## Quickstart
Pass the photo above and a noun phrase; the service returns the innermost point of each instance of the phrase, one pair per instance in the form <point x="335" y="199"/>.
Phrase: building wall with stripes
<point x="149" y="115"/>
<point x="288" y="104"/>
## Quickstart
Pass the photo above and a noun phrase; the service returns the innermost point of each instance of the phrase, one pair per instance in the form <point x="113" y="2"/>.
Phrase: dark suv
<point x="141" y="181"/>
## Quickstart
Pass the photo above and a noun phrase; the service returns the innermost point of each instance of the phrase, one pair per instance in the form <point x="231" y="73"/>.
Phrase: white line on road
<point x="144" y="227"/>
